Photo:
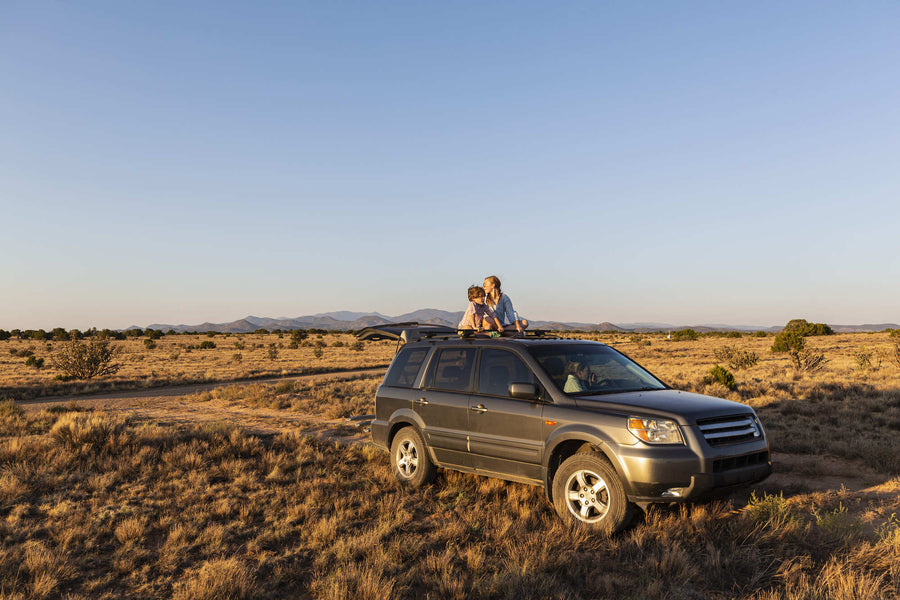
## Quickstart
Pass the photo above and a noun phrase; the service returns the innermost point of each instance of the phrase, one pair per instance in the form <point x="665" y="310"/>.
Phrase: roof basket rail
<point x="412" y="331"/>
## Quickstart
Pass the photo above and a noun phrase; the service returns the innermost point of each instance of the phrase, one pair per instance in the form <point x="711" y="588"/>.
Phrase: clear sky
<point x="681" y="162"/>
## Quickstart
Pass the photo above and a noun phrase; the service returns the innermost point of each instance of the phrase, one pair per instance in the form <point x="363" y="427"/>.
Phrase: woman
<point x="577" y="379"/>
<point x="501" y="305"/>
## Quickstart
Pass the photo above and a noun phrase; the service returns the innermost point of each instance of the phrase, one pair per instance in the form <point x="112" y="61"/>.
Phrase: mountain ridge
<point x="358" y="320"/>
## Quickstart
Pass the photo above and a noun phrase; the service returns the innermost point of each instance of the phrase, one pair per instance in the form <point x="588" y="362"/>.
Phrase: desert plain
<point x="228" y="470"/>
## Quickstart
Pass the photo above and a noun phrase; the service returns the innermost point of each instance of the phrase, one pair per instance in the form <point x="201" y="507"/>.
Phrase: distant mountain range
<point x="347" y="320"/>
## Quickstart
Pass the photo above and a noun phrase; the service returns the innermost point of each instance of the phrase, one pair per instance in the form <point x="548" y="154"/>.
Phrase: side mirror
<point x="523" y="391"/>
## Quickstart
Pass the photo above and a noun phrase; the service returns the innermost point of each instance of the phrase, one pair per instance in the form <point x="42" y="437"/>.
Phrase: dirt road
<point x="171" y="405"/>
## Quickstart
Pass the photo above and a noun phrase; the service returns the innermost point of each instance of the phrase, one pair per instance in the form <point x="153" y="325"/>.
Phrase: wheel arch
<point x="566" y="443"/>
<point x="407" y="418"/>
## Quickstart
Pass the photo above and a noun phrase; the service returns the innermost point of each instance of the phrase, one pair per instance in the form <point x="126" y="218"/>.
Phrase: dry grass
<point x="329" y="399"/>
<point x="179" y="359"/>
<point x="212" y="512"/>
<point x="96" y="505"/>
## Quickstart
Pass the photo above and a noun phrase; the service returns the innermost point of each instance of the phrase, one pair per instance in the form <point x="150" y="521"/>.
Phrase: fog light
<point x="672" y="493"/>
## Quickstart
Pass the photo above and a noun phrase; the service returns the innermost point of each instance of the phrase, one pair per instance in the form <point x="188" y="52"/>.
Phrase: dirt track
<point x="168" y="405"/>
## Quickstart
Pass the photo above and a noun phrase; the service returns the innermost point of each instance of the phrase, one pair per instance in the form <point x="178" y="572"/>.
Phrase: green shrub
<point x="761" y="334"/>
<point x="772" y="511"/>
<point x="4" y="335"/>
<point x="357" y="346"/>
<point x="804" y="328"/>
<point x="788" y="341"/>
<point x="298" y="335"/>
<point x="207" y="345"/>
<point x="149" y="344"/>
<point x="34" y="361"/>
<point x="723" y="376"/>
<point x="273" y="352"/>
<point x="684" y="335"/>
<point x="317" y="352"/>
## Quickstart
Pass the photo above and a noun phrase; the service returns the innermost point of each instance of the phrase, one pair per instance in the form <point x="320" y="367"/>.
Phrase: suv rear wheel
<point x="409" y="458"/>
<point x="587" y="490"/>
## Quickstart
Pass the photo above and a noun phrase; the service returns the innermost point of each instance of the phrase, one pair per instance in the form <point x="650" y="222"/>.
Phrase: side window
<point x="500" y="368"/>
<point x="453" y="369"/>
<point x="555" y="366"/>
<point x="405" y="367"/>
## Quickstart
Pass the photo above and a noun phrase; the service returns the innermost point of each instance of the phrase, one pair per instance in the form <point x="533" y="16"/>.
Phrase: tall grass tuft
<point x="95" y="431"/>
<point x="218" y="579"/>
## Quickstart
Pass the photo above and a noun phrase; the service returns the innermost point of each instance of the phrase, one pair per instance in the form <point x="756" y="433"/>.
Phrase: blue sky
<point x="684" y="162"/>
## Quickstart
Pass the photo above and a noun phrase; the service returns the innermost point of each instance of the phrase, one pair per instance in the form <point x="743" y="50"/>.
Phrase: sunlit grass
<point x="144" y="510"/>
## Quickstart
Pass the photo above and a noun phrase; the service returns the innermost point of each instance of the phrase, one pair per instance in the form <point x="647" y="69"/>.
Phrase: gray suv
<point x="599" y="432"/>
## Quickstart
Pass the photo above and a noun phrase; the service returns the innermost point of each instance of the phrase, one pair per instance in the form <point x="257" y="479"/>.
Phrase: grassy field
<point x="175" y="359"/>
<point x="103" y="505"/>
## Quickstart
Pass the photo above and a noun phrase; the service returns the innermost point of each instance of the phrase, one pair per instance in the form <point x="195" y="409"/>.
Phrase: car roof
<point x="425" y="332"/>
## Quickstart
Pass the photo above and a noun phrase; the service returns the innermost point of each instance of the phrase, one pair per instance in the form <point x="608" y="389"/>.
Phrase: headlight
<point x="655" y="431"/>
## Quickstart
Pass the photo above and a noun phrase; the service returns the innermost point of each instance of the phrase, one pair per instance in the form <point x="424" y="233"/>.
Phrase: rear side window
<point x="453" y="370"/>
<point x="500" y="368"/>
<point x="405" y="367"/>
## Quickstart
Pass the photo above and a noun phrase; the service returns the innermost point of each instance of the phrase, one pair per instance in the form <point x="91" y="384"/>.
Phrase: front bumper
<point x="680" y="475"/>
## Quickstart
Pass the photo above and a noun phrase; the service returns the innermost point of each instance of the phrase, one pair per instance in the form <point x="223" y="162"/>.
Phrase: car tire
<point x="588" y="491"/>
<point x="409" y="459"/>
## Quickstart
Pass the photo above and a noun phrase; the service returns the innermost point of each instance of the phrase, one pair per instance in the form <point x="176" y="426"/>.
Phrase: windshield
<point x="584" y="369"/>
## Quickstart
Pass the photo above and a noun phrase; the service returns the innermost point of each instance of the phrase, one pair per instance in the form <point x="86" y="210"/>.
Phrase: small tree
<point x="789" y="341"/>
<point x="84" y="360"/>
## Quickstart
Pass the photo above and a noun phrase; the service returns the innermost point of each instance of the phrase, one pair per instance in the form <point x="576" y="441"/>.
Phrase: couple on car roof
<point x="490" y="309"/>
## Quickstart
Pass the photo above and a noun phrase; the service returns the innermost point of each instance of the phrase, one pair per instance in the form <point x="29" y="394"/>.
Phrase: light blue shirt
<point x="504" y="311"/>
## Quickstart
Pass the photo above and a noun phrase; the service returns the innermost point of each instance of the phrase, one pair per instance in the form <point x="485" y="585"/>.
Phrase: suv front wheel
<point x="587" y="490"/>
<point x="409" y="458"/>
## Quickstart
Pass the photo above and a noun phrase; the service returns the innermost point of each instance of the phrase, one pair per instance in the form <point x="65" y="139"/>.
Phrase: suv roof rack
<point x="412" y="331"/>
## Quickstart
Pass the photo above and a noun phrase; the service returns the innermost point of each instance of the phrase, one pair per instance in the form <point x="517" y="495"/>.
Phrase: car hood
<point x="685" y="407"/>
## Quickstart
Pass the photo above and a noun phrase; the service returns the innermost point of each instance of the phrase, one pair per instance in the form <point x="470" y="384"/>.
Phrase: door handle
<point x="420" y="401"/>
<point x="479" y="409"/>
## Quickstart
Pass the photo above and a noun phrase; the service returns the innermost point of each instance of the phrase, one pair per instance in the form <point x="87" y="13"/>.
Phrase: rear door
<point x="506" y="433"/>
<point x="444" y="402"/>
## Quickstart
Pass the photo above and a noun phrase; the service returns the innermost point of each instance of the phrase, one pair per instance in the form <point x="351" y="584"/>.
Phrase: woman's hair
<point x="574" y="367"/>
<point x="475" y="291"/>
<point x="496" y="281"/>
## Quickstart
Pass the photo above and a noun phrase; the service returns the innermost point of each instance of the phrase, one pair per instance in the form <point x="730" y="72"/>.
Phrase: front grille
<point x="735" y="429"/>
<point x="739" y="462"/>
